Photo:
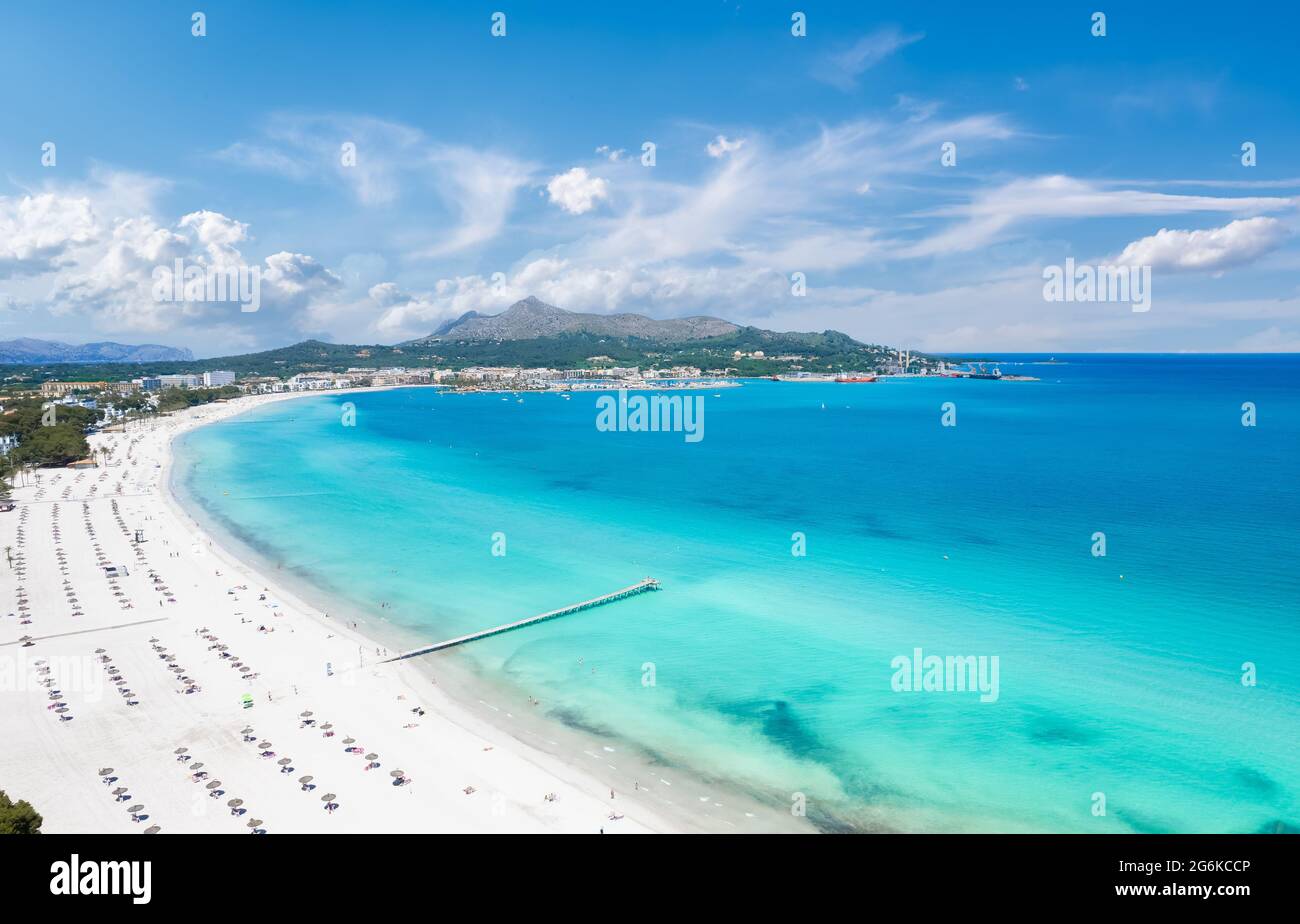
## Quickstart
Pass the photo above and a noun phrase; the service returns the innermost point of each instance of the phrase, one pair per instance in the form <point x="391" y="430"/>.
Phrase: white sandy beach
<point x="183" y="597"/>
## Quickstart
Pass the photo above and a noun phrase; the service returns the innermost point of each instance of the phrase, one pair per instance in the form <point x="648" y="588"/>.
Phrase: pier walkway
<point x="630" y="591"/>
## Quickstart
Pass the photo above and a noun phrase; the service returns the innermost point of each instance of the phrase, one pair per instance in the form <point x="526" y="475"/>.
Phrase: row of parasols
<point x="122" y="794"/>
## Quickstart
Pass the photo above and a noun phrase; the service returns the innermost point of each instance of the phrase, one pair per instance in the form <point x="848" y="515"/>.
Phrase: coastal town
<point x="90" y="406"/>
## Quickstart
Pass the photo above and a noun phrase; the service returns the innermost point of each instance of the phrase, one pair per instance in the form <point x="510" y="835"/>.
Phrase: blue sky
<point x="489" y="168"/>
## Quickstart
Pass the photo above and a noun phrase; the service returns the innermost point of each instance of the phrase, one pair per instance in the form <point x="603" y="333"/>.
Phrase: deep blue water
<point x="1118" y="675"/>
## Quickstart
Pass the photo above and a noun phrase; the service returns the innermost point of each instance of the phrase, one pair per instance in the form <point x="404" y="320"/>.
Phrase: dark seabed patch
<point x="568" y="484"/>
<point x="1143" y="824"/>
<point x="876" y="531"/>
<point x="1279" y="827"/>
<point x="779" y="722"/>
<point x="1253" y="780"/>
<point x="571" y="718"/>
<point x="1054" y="730"/>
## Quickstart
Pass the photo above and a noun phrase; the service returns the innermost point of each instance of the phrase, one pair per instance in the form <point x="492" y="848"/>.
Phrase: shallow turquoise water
<point x="773" y="669"/>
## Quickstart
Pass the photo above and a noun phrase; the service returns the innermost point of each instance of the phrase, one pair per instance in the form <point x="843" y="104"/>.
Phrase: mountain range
<point x="27" y="350"/>
<point x="529" y="333"/>
<point x="531" y="318"/>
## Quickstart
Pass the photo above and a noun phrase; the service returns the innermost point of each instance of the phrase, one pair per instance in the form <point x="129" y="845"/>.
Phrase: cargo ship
<point x="854" y="377"/>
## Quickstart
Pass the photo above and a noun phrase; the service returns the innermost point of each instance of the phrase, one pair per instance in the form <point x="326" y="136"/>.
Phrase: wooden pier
<point x="638" y="588"/>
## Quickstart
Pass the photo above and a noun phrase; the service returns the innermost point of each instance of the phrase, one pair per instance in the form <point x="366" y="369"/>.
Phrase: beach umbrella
<point x="254" y="822"/>
<point x="135" y="808"/>
<point x="397" y="773"/>
<point x="235" y="803"/>
<point x="264" y="745"/>
<point x="349" y="740"/>
<point x="327" y="726"/>
<point x="306" y="779"/>
<point x="213" y="785"/>
<point x="198" y="764"/>
<point x="152" y="829"/>
<point x="372" y="757"/>
<point x="246" y="730"/>
<point x="305" y="714"/>
<point x="105" y="771"/>
<point x="245" y="669"/>
<point x="328" y="797"/>
<point x="119" y="790"/>
<point x="284" y="761"/>
<point x="99" y="651"/>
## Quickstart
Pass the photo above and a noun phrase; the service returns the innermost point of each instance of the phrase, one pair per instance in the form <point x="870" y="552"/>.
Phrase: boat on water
<point x="980" y="371"/>
<point x="849" y="378"/>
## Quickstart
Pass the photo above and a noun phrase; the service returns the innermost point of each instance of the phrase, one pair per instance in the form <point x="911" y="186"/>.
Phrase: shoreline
<point x="461" y="748"/>
<point x="471" y="695"/>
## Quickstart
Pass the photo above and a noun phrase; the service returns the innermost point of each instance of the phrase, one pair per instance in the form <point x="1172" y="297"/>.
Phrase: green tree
<point x="18" y="817"/>
<point x="57" y="445"/>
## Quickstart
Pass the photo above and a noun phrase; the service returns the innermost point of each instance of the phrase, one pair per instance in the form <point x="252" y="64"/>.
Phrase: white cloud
<point x="1235" y="244"/>
<point x="393" y="162"/>
<point x="990" y="213"/>
<point x="38" y="233"/>
<point x="107" y="280"/>
<point x="668" y="289"/>
<point x="218" y="234"/>
<point x="843" y="68"/>
<point x="721" y="146"/>
<point x="576" y="191"/>
<point x="481" y="187"/>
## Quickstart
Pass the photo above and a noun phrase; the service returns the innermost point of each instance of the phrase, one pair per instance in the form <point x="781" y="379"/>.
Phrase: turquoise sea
<point x="1119" y="675"/>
